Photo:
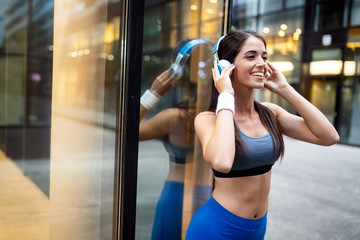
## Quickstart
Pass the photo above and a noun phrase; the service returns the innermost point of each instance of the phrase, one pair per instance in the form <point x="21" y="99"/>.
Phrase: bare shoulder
<point x="276" y="109"/>
<point x="205" y="117"/>
<point x="206" y="114"/>
<point x="170" y="113"/>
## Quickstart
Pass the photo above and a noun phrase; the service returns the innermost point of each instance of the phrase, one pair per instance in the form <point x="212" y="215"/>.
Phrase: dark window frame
<point x="127" y="119"/>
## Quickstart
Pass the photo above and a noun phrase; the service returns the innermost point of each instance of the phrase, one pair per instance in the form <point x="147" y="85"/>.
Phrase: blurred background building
<point x="66" y="88"/>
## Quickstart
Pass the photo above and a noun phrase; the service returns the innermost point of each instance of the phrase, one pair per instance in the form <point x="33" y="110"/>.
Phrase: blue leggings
<point x="169" y="209"/>
<point x="168" y="214"/>
<point x="213" y="221"/>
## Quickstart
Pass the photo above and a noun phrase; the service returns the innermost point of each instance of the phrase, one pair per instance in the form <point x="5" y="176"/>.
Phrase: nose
<point x="261" y="62"/>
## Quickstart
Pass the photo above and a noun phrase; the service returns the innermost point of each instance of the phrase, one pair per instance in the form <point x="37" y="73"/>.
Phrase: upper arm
<point x="292" y="125"/>
<point x="158" y="125"/>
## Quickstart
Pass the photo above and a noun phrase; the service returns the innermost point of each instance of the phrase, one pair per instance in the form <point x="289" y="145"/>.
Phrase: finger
<point x="214" y="74"/>
<point x="168" y="73"/>
<point x="162" y="75"/>
<point x="267" y="74"/>
<point x="171" y="77"/>
<point x="216" y="69"/>
<point x="228" y="70"/>
<point x="271" y="67"/>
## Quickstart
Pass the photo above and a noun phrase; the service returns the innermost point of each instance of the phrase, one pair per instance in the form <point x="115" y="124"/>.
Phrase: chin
<point x="259" y="85"/>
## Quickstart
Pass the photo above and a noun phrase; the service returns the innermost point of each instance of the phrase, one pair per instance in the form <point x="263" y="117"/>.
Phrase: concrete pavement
<point x="315" y="193"/>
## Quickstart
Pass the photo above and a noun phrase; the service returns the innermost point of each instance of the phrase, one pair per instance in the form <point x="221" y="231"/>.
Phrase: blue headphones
<point x="221" y="64"/>
<point x="183" y="55"/>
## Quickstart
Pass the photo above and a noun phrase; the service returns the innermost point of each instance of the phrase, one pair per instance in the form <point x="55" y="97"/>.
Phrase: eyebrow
<point x="253" y="51"/>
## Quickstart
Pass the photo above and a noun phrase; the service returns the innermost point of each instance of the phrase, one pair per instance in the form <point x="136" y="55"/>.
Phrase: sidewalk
<point x="24" y="208"/>
<point x="315" y="193"/>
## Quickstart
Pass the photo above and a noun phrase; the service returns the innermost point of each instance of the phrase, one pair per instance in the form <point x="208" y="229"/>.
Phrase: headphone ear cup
<point x="223" y="64"/>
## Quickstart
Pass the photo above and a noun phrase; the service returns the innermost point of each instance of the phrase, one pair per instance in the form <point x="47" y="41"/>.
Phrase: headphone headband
<point x="216" y="48"/>
<point x="221" y="64"/>
<point x="180" y="60"/>
<point x="187" y="48"/>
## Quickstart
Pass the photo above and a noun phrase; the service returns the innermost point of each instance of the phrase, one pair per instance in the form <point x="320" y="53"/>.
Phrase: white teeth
<point x="258" y="74"/>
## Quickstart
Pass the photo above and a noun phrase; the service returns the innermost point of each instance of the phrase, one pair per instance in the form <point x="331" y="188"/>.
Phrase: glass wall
<point x="25" y="83"/>
<point x="330" y="14"/>
<point x="173" y="179"/>
<point x="325" y="69"/>
<point x="60" y="74"/>
<point x="350" y="124"/>
<point x="26" y="45"/>
<point x="84" y="105"/>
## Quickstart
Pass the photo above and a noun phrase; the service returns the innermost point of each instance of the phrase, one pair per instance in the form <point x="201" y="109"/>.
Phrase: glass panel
<point x="267" y="6"/>
<point x="84" y="103"/>
<point x="294" y="3"/>
<point x="26" y="40"/>
<point x="326" y="62"/>
<point x="354" y="124"/>
<point x="346" y="108"/>
<point x="245" y="8"/>
<point x="350" y="123"/>
<point x="173" y="179"/>
<point x="326" y="54"/>
<point x="329" y="15"/>
<point x="355" y="16"/>
<point x="244" y="23"/>
<point x="323" y="96"/>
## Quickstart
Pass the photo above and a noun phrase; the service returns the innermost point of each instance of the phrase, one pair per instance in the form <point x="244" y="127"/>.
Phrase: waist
<point x="219" y="209"/>
<point x="244" y="196"/>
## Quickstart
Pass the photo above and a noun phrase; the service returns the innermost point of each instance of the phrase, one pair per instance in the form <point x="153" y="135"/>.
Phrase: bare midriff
<point x="246" y="197"/>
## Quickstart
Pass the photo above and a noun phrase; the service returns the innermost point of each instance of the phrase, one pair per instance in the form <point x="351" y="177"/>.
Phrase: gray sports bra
<point x="260" y="155"/>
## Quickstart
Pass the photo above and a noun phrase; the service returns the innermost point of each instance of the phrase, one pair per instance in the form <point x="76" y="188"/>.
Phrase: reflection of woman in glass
<point x="175" y="127"/>
<point x="242" y="138"/>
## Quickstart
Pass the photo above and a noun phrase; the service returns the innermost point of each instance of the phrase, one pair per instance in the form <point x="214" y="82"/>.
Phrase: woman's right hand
<point x="162" y="83"/>
<point x="222" y="81"/>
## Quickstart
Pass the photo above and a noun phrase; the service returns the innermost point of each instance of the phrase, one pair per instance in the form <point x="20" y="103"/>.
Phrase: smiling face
<point x="250" y="64"/>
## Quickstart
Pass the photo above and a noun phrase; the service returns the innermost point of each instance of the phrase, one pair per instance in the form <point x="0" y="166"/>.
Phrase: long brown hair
<point x="229" y="48"/>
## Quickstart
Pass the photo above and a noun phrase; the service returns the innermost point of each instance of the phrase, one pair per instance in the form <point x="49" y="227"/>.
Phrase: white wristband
<point x="149" y="99"/>
<point x="225" y="101"/>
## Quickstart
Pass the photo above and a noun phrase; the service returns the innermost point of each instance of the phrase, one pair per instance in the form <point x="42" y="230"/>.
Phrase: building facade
<point x="74" y="71"/>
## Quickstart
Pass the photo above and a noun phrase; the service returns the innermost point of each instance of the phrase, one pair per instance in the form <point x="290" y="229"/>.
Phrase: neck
<point x="244" y="101"/>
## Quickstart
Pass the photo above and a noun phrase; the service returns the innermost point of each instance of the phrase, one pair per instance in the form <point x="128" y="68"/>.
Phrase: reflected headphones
<point x="221" y="64"/>
<point x="183" y="55"/>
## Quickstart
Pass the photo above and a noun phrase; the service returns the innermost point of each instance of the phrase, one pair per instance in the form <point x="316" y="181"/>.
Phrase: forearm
<point x="314" y="119"/>
<point x="143" y="111"/>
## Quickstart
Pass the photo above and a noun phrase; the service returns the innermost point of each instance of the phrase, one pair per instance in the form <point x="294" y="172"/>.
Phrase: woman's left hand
<point x="275" y="81"/>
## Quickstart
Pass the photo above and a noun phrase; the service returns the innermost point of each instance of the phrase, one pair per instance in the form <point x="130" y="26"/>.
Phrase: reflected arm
<point x="158" y="125"/>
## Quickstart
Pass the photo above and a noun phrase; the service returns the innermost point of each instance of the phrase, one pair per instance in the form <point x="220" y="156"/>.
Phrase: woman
<point x="243" y="139"/>
<point x="175" y="127"/>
